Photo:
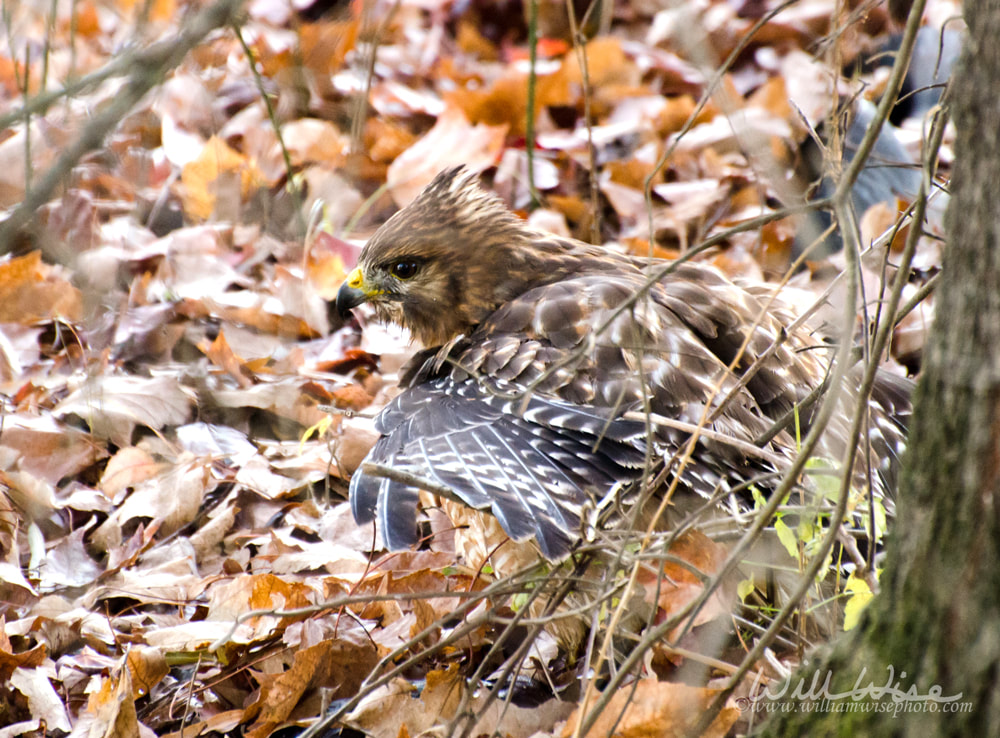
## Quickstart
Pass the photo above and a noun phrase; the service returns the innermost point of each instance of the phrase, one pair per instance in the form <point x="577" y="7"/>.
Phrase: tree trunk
<point x="938" y="617"/>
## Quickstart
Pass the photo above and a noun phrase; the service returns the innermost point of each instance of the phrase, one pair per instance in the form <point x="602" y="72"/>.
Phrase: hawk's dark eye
<point x="403" y="269"/>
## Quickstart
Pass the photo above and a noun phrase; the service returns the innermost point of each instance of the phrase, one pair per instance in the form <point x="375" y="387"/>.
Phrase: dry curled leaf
<point x="652" y="709"/>
<point x="31" y="291"/>
<point x="452" y="141"/>
<point x="113" y="405"/>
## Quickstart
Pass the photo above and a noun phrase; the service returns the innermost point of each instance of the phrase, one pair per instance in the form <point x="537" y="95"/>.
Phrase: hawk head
<point x="434" y="267"/>
<point x="444" y="263"/>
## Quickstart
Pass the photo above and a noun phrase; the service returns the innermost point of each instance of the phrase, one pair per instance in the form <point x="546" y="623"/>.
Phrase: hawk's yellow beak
<point x="352" y="292"/>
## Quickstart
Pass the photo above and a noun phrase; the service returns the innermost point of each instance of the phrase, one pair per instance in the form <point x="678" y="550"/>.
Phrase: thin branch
<point x="580" y="49"/>
<point x="147" y="70"/>
<point x="529" y="122"/>
<point x="293" y="187"/>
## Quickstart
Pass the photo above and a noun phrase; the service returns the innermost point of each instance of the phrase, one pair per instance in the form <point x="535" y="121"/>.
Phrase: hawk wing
<point x="544" y="408"/>
<point x="533" y="465"/>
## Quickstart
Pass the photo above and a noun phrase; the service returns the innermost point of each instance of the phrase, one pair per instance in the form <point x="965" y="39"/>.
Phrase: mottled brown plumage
<point x="557" y="374"/>
<point x="474" y="255"/>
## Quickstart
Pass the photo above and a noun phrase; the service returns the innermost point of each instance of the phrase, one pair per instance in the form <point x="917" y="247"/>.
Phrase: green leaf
<point x="744" y="588"/>
<point x="880" y="520"/>
<point x="857" y="602"/>
<point x="808" y="531"/>
<point x="827" y="484"/>
<point x="787" y="538"/>
<point x="319" y="429"/>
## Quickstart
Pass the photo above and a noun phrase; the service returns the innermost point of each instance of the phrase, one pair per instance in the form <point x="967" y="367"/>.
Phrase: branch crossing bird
<point x="557" y="375"/>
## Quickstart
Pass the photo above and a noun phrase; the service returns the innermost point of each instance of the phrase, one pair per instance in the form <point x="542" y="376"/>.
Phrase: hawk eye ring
<point x="404" y="269"/>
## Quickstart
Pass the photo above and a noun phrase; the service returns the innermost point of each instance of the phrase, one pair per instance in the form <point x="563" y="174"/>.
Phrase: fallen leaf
<point x="452" y="141"/>
<point x="677" y="584"/>
<point x="48" y="449"/>
<point x="220" y="354"/>
<point x="114" y="404"/>
<point x="44" y="702"/>
<point x="31" y="291"/>
<point x="114" y="708"/>
<point x="148" y="666"/>
<point x="171" y="500"/>
<point x="129" y="467"/>
<point x="309" y="140"/>
<point x="656" y="710"/>
<point x="218" y="169"/>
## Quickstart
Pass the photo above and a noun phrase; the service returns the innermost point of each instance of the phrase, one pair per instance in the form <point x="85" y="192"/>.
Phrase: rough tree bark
<point x="938" y="617"/>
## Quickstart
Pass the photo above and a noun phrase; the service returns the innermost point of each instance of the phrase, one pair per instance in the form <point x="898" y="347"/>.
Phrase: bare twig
<point x="147" y="69"/>
<point x="293" y="187"/>
<point x="529" y="123"/>
<point x="580" y="49"/>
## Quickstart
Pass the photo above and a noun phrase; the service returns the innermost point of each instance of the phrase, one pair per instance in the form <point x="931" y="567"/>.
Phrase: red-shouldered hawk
<point x="557" y="374"/>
